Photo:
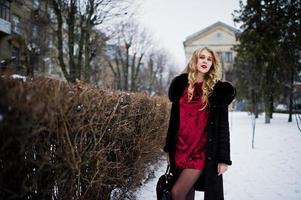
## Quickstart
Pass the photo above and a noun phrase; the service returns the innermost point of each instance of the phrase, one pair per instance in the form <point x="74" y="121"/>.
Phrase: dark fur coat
<point x="218" y="137"/>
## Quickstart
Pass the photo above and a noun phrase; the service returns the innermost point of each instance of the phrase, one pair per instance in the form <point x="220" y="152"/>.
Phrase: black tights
<point x="183" y="188"/>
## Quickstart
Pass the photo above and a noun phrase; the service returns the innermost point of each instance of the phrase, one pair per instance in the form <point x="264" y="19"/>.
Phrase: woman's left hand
<point x="221" y="168"/>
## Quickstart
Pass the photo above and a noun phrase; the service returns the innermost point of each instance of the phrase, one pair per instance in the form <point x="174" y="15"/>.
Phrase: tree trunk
<point x="126" y="69"/>
<point x="151" y="75"/>
<point x="135" y="69"/>
<point x="267" y="92"/>
<point x="256" y="110"/>
<point x="267" y="117"/>
<point x="254" y="103"/>
<point x="88" y="50"/>
<point x="118" y="78"/>
<point x="71" y="23"/>
<point x="87" y="72"/>
<point x="267" y="107"/>
<point x="291" y="96"/>
<point x="58" y="13"/>
<point x="133" y="66"/>
<point x="271" y="107"/>
<point x="80" y="49"/>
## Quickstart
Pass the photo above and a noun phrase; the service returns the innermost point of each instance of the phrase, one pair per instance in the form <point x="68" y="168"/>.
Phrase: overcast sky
<point x="172" y="21"/>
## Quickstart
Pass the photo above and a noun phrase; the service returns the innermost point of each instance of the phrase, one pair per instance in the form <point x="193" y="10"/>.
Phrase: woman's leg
<point x="185" y="183"/>
<point x="191" y="194"/>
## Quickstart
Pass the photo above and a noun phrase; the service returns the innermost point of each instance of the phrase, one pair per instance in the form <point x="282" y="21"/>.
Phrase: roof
<point x="219" y="23"/>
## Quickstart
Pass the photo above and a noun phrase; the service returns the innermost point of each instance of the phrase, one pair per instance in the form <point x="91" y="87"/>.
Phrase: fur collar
<point x="223" y="92"/>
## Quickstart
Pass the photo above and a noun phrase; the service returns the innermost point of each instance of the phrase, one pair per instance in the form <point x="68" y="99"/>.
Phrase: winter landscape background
<point x="270" y="171"/>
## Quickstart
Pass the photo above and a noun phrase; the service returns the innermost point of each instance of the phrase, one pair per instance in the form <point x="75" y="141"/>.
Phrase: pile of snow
<point x="269" y="171"/>
<point x="17" y="76"/>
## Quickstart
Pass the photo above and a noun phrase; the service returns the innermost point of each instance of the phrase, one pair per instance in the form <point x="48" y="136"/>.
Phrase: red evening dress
<point x="192" y="137"/>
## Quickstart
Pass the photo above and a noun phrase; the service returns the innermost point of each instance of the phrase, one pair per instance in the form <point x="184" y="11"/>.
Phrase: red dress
<point x="191" y="137"/>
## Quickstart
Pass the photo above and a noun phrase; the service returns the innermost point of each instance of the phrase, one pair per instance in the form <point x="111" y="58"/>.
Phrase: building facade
<point x="10" y="33"/>
<point x="219" y="37"/>
<point x="26" y="38"/>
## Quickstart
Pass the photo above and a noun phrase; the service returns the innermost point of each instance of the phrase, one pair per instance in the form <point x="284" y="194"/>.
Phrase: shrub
<point x="65" y="141"/>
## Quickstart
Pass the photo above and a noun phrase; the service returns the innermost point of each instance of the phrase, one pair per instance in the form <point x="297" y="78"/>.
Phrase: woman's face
<point x="204" y="62"/>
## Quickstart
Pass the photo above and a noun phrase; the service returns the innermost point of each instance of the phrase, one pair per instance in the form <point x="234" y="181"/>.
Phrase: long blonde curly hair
<point x="210" y="78"/>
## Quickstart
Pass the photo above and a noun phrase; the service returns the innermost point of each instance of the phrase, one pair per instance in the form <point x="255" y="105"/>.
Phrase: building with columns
<point x="219" y="37"/>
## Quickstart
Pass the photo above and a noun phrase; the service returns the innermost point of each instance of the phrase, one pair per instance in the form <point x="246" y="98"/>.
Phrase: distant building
<point x="220" y="37"/>
<point x="10" y="33"/>
<point x="26" y="39"/>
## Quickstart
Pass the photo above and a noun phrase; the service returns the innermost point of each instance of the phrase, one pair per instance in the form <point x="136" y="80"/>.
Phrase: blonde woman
<point x="197" y="142"/>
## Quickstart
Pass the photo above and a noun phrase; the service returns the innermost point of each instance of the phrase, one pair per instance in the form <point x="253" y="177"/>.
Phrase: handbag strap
<point x="167" y="172"/>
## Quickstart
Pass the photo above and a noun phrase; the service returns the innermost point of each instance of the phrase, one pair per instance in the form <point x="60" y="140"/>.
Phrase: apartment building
<point x="26" y="39"/>
<point x="10" y="40"/>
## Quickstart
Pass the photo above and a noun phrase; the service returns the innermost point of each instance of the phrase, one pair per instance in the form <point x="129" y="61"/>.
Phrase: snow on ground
<point x="17" y="76"/>
<point x="270" y="171"/>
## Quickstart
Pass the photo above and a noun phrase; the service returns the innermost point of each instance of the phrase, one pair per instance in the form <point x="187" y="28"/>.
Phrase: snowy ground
<point x="271" y="171"/>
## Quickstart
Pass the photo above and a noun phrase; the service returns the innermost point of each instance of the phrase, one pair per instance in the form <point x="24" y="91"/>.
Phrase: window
<point x="16" y="24"/>
<point x="228" y="58"/>
<point x="4" y="9"/>
<point x="220" y="55"/>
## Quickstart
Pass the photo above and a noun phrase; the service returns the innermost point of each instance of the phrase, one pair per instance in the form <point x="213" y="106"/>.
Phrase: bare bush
<point x="65" y="141"/>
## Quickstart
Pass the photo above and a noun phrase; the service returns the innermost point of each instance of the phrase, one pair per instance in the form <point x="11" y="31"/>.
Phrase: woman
<point x="197" y="142"/>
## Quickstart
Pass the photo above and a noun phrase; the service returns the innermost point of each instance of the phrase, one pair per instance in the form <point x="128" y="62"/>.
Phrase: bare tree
<point x="130" y="44"/>
<point x="75" y="22"/>
<point x="154" y="74"/>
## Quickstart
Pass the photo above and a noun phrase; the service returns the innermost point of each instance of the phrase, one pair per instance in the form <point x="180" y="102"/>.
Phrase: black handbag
<point x="164" y="185"/>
